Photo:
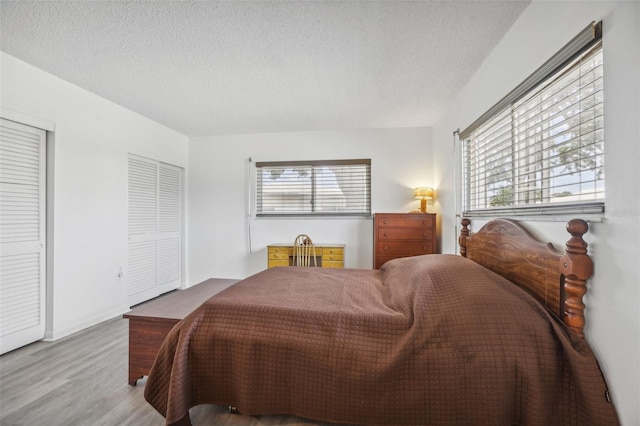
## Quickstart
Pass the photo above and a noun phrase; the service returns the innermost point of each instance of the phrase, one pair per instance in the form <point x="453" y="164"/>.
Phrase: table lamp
<point x="423" y="194"/>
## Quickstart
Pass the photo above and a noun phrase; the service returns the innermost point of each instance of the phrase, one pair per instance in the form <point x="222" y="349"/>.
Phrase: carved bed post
<point x="462" y="239"/>
<point x="576" y="267"/>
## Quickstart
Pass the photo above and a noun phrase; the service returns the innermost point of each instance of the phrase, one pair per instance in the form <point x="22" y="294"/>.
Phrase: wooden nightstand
<point x="402" y="235"/>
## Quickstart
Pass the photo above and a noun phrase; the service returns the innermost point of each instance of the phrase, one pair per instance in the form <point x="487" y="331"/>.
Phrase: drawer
<point x="278" y="256"/>
<point x="332" y="254"/>
<point x="280" y="262"/>
<point x="380" y="260"/>
<point x="279" y="252"/>
<point x="405" y="234"/>
<point x="339" y="251"/>
<point x="410" y="221"/>
<point x="404" y="248"/>
<point x="332" y="264"/>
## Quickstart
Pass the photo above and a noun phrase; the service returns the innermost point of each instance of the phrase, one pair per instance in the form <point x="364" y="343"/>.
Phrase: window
<point x="540" y="150"/>
<point x="314" y="188"/>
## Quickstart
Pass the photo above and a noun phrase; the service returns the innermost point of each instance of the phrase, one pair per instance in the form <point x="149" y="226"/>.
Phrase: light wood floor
<point x="82" y="380"/>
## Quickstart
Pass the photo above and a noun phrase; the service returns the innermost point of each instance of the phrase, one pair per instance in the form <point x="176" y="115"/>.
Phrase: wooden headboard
<point x="557" y="280"/>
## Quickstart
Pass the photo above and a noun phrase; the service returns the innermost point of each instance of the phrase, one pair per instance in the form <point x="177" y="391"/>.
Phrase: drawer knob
<point x="384" y="221"/>
<point x="385" y="248"/>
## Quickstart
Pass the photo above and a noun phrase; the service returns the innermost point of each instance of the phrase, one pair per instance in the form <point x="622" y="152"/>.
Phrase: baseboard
<point x="64" y="331"/>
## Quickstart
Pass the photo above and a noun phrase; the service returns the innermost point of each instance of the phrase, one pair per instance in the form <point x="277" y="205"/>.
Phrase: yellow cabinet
<point x="327" y="255"/>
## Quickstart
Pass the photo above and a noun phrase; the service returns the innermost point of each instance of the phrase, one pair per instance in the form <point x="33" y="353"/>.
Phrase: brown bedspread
<point x="429" y="340"/>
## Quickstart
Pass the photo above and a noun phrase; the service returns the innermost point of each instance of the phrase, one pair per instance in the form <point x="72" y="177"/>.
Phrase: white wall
<point x="88" y="158"/>
<point x="613" y="298"/>
<point x="219" y="185"/>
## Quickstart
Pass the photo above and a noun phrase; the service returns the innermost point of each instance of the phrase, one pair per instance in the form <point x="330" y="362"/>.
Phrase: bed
<point x="494" y="336"/>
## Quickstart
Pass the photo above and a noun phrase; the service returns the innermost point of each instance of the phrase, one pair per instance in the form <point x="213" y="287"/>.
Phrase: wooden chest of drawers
<point x="327" y="255"/>
<point x="402" y="235"/>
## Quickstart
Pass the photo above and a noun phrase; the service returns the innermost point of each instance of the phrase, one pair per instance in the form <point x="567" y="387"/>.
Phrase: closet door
<point x="155" y="228"/>
<point x="22" y="235"/>
<point x="170" y="227"/>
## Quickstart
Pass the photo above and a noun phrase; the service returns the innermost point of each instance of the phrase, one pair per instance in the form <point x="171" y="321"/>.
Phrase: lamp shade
<point x="423" y="193"/>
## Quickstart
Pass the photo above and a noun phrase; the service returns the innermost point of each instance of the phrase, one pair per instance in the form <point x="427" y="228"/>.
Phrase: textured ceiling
<point x="220" y="67"/>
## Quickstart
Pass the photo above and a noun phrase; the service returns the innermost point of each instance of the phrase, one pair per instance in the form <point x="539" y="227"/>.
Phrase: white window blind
<point x="314" y="188"/>
<point x="543" y="151"/>
<point x="155" y="228"/>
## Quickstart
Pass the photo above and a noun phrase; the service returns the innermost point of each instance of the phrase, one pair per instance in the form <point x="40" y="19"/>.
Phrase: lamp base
<point x="423" y="206"/>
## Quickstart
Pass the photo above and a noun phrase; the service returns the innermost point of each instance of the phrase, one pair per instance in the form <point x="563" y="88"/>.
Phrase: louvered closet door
<point x="155" y="228"/>
<point x="22" y="235"/>
<point x="170" y="225"/>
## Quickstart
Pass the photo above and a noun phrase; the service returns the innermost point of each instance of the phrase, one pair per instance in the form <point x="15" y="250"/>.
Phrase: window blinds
<point x="314" y="188"/>
<point x="543" y="152"/>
